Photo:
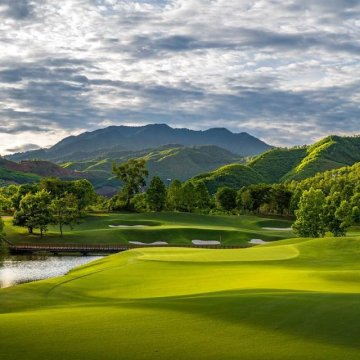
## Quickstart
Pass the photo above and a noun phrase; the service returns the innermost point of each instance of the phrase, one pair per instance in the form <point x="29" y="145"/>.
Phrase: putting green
<point x="292" y="299"/>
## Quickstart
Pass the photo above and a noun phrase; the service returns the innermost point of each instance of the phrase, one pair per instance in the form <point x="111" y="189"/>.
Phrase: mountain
<point x="168" y="162"/>
<point x="144" y="137"/>
<point x="282" y="164"/>
<point x="33" y="171"/>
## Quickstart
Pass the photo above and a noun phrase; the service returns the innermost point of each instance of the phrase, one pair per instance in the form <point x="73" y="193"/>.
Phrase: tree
<point x="202" y="196"/>
<point x="65" y="211"/>
<point x="310" y="214"/>
<point x="344" y="214"/>
<point x="226" y="198"/>
<point x="139" y="203"/>
<point x="34" y="212"/>
<point x="133" y="174"/>
<point x="187" y="202"/>
<point x="1" y="227"/>
<point x="84" y="192"/>
<point x="173" y="196"/>
<point x="156" y="194"/>
<point x="331" y="221"/>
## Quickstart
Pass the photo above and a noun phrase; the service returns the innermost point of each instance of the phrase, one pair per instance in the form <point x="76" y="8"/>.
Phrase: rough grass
<point x="292" y="299"/>
<point x="175" y="228"/>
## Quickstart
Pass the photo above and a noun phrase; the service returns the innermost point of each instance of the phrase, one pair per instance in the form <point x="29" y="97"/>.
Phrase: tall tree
<point x="173" y="196"/>
<point x="226" y="198"/>
<point x="310" y="214"/>
<point x="133" y="175"/>
<point x="202" y="196"/>
<point x="34" y="212"/>
<point x="65" y="211"/>
<point x="187" y="202"/>
<point x="156" y="194"/>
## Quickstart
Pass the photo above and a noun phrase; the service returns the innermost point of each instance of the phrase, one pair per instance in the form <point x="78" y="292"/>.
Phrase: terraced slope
<point x="294" y="299"/>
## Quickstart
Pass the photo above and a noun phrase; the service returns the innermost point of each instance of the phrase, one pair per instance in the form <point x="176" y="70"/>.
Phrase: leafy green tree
<point x="34" y="212"/>
<point x="173" y="196"/>
<point x="23" y="190"/>
<point x="331" y="221"/>
<point x="280" y="199"/>
<point x="139" y="203"/>
<point x="226" y="198"/>
<point x="187" y="202"/>
<point x="156" y="194"/>
<point x="344" y="214"/>
<point x="133" y="175"/>
<point x="65" y="211"/>
<point x="202" y="196"/>
<point x="1" y="227"/>
<point x="310" y="214"/>
<point x="244" y="200"/>
<point x="84" y="192"/>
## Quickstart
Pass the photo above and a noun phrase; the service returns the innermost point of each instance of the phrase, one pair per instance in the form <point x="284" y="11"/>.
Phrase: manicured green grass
<point x="291" y="299"/>
<point x="175" y="228"/>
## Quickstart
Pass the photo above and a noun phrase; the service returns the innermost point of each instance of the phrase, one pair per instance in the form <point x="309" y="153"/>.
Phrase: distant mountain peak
<point x="145" y="137"/>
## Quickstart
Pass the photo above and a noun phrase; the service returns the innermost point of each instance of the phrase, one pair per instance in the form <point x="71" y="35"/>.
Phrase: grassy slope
<point x="293" y="299"/>
<point x="234" y="175"/>
<point x="176" y="228"/>
<point x="279" y="165"/>
<point x="167" y="162"/>
<point x="274" y="164"/>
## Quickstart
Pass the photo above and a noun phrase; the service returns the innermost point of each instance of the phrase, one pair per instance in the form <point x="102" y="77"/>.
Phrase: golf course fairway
<point x="291" y="299"/>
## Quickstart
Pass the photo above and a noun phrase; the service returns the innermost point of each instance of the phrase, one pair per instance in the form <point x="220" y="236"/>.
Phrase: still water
<point x="25" y="268"/>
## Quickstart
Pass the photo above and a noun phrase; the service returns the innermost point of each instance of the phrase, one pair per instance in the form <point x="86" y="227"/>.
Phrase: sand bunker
<point x="205" y="242"/>
<point x="128" y="226"/>
<point x="257" y="241"/>
<point x="154" y="243"/>
<point x="277" y="229"/>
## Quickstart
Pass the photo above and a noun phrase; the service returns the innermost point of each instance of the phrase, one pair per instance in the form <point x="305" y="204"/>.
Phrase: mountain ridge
<point x="143" y="137"/>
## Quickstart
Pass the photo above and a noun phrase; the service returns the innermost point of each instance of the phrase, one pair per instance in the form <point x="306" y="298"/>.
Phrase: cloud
<point x="281" y="70"/>
<point x="23" y="148"/>
<point x="18" y="9"/>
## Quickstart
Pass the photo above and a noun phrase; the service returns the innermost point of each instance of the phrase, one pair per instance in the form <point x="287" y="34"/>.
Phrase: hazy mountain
<point x="145" y="137"/>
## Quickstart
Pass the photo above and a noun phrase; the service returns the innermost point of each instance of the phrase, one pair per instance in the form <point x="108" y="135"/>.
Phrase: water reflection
<point x="24" y="268"/>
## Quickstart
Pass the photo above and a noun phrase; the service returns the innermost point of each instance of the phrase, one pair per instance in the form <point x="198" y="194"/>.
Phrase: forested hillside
<point x="281" y="165"/>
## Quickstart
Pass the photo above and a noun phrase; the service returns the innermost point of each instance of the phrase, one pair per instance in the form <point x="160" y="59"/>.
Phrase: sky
<point x="286" y="71"/>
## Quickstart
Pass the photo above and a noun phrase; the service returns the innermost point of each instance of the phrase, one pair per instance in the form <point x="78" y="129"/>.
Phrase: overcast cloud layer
<point x="287" y="71"/>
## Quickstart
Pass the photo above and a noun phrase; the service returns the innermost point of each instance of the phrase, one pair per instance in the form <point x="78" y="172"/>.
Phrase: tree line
<point x="51" y="202"/>
<point x="328" y="202"/>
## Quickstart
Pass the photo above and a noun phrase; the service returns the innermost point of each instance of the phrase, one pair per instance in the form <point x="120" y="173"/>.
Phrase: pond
<point x="25" y="268"/>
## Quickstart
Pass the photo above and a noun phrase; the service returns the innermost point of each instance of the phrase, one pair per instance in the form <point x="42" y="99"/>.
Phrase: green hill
<point x="282" y="164"/>
<point x="169" y="162"/>
<point x="234" y="175"/>
<point x="330" y="153"/>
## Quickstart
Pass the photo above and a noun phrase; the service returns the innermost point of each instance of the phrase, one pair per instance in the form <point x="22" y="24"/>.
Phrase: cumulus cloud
<point x="282" y="70"/>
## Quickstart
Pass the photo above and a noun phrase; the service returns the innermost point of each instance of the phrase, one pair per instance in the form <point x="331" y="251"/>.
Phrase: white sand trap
<point x="205" y="242"/>
<point x="154" y="243"/>
<point x="128" y="226"/>
<point x="277" y="229"/>
<point x="257" y="241"/>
